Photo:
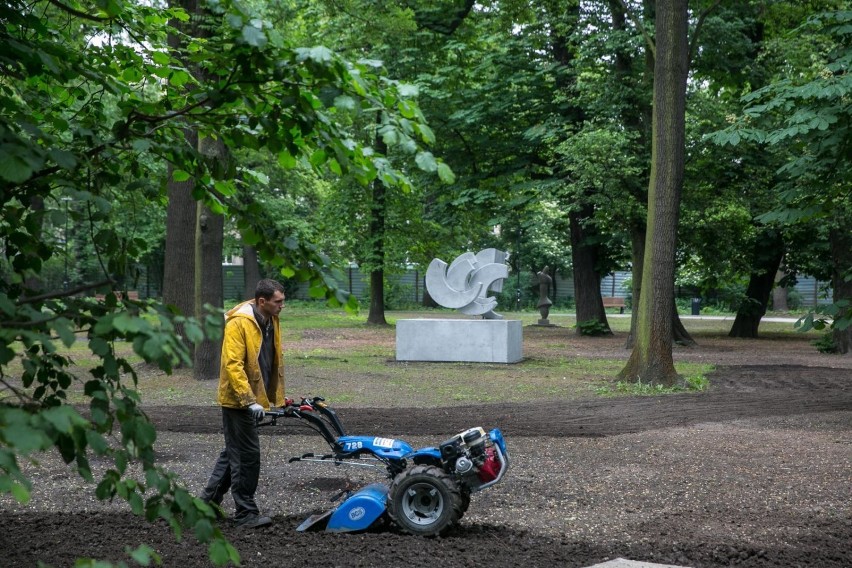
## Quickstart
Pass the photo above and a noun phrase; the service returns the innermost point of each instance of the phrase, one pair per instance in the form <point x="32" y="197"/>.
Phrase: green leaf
<point x="426" y="134"/>
<point x="99" y="347"/>
<point x="63" y="158"/>
<point x="13" y="168"/>
<point x="286" y="160"/>
<point x="446" y="174"/>
<point x="179" y="78"/>
<point x="6" y="305"/>
<point x="318" y="54"/>
<point x="20" y="493"/>
<point x="160" y="58"/>
<point x="131" y="74"/>
<point x="344" y="102"/>
<point x="426" y="161"/>
<point x="6" y="354"/>
<point x="254" y="36"/>
<point x="389" y="135"/>
<point x="63" y="418"/>
<point x="65" y="329"/>
<point x="144" y="554"/>
<point x="193" y="332"/>
<point x="180" y="175"/>
<point x="318" y="158"/>
<point x="25" y="438"/>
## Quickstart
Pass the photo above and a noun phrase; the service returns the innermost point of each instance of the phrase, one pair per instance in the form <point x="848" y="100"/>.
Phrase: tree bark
<point x="651" y="359"/>
<point x="779" y="293"/>
<point x="377" y="254"/>
<point x="768" y="252"/>
<point x="679" y="333"/>
<point x="208" y="285"/>
<point x="841" y="283"/>
<point x="587" y="281"/>
<point x="208" y="352"/>
<point x="179" y="256"/>
<point x="637" y="255"/>
<point x="378" y="213"/>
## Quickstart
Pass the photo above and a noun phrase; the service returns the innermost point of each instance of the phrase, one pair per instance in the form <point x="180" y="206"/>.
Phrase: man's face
<point x="272" y="306"/>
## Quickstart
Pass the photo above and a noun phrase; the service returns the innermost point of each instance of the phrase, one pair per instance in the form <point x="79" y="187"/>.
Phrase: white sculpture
<point x="464" y="285"/>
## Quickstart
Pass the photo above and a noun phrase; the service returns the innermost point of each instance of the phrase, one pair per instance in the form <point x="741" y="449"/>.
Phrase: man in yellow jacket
<point x="251" y="380"/>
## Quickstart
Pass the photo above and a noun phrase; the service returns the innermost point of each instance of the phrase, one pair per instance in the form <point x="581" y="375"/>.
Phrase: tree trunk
<point x="377" y="254"/>
<point x="211" y="230"/>
<point x="679" y="333"/>
<point x="251" y="271"/>
<point x="587" y="281"/>
<point x="768" y="252"/>
<point x="179" y="256"/>
<point x="208" y="284"/>
<point x="651" y="360"/>
<point x="841" y="283"/>
<point x="779" y="294"/>
<point x="378" y="212"/>
<point x="637" y="255"/>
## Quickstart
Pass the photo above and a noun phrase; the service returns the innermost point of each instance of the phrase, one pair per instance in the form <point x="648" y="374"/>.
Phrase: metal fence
<point x="410" y="286"/>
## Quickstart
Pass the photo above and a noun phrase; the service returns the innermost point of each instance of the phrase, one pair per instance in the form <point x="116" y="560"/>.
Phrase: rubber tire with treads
<point x="424" y="500"/>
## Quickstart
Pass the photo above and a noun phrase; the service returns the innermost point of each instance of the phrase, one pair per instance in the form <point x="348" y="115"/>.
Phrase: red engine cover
<point x="489" y="470"/>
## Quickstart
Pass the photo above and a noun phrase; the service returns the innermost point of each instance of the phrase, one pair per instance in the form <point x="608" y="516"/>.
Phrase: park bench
<point x="614" y="303"/>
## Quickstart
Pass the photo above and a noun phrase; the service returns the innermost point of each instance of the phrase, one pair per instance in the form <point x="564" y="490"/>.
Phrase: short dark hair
<point x="266" y="288"/>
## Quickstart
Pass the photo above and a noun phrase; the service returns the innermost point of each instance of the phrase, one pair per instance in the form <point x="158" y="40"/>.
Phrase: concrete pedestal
<point x="478" y="341"/>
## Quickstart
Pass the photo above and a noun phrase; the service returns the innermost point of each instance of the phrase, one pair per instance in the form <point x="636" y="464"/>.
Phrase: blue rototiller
<point x="429" y="488"/>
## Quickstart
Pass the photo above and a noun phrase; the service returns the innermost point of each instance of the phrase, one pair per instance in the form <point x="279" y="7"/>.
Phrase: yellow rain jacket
<point x="240" y="379"/>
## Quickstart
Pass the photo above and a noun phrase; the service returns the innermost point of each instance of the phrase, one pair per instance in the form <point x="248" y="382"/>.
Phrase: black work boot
<point x="254" y="522"/>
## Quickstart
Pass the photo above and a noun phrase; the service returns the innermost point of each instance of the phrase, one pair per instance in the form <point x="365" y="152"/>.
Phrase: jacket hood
<point x="241" y="310"/>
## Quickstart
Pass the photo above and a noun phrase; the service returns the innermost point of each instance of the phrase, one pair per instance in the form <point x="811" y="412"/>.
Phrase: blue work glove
<point x="257" y="411"/>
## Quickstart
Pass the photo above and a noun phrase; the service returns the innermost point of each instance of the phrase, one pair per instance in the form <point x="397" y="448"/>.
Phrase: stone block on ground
<point x="460" y="340"/>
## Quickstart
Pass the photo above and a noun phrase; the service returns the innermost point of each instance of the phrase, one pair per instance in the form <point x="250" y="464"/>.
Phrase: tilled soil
<point x="756" y="472"/>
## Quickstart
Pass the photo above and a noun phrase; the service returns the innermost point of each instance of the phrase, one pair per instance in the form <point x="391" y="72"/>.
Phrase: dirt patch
<point x="754" y="473"/>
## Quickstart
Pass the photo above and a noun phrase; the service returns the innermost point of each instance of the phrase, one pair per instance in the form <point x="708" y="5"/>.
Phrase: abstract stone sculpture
<point x="464" y="284"/>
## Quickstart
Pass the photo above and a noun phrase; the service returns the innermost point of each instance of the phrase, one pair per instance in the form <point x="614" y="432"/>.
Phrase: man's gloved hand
<point x="257" y="411"/>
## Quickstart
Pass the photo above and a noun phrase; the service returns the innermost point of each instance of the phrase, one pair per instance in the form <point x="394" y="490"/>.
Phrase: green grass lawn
<point x="338" y="356"/>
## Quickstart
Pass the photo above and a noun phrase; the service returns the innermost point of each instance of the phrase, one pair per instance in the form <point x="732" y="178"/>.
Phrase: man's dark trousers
<point x="238" y="466"/>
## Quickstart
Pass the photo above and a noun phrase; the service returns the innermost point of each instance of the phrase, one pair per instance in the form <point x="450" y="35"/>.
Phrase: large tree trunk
<point x="780" y="293"/>
<point x="179" y="256"/>
<point x="196" y="233"/>
<point x="841" y="283"/>
<point x="378" y="212"/>
<point x="210" y="228"/>
<point x="209" y="238"/>
<point x="679" y="333"/>
<point x="768" y="252"/>
<point x="377" y="254"/>
<point x="651" y="359"/>
<point x="587" y="281"/>
<point x="637" y="256"/>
